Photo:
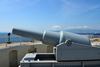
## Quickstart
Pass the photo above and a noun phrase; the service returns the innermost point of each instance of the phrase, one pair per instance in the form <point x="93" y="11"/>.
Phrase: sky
<point x="43" y="15"/>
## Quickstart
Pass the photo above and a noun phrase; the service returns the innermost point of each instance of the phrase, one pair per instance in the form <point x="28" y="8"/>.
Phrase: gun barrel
<point x="27" y="33"/>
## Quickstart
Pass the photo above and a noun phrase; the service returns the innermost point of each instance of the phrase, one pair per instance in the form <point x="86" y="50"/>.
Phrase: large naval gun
<point x="70" y="49"/>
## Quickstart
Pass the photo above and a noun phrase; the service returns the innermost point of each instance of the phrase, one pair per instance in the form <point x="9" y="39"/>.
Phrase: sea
<point x="15" y="38"/>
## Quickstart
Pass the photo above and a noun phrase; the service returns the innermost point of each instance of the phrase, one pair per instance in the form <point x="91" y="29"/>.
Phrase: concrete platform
<point x="4" y="45"/>
<point x="11" y="55"/>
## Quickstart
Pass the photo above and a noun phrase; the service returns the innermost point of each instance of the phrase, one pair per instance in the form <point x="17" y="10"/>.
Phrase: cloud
<point x="74" y="10"/>
<point x="69" y="10"/>
<point x="78" y="27"/>
<point x="56" y="27"/>
<point x="9" y="5"/>
<point x="67" y="3"/>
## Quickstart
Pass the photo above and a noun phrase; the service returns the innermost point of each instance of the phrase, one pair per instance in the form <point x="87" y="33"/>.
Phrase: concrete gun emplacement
<point x="69" y="46"/>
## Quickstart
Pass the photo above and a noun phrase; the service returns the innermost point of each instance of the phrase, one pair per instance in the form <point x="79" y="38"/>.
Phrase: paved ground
<point x="3" y="45"/>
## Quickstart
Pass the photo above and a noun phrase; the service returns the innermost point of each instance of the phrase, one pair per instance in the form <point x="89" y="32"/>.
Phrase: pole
<point x="20" y="40"/>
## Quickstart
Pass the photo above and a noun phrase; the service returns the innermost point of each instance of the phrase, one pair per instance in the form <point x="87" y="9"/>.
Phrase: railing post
<point x="6" y="40"/>
<point x="82" y="63"/>
<point x="20" y="40"/>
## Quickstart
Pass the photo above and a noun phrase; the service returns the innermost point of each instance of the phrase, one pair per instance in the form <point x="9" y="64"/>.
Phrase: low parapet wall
<point x="11" y="56"/>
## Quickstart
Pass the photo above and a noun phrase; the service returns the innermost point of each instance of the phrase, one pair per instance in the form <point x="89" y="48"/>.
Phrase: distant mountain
<point x="79" y="30"/>
<point x="83" y="30"/>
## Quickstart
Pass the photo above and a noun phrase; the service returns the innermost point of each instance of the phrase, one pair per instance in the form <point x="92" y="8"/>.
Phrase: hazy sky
<point x="49" y="14"/>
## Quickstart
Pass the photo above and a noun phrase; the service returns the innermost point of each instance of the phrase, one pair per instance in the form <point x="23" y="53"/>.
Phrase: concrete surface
<point x="10" y="56"/>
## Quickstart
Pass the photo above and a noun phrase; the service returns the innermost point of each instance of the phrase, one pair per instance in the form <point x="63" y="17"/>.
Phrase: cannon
<point x="52" y="38"/>
<point x="68" y="46"/>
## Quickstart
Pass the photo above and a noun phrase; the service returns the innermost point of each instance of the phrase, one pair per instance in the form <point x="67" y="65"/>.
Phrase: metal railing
<point x="15" y="40"/>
